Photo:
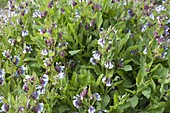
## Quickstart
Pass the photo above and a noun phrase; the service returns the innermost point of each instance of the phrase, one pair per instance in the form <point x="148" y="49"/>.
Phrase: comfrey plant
<point x="76" y="56"/>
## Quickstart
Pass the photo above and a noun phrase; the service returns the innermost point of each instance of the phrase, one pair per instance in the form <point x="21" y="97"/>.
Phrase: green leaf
<point x="123" y="42"/>
<point x="105" y="101"/>
<point x="146" y="93"/>
<point x="127" y="68"/>
<point x="134" y="101"/>
<point x="99" y="20"/>
<point x="74" y="52"/>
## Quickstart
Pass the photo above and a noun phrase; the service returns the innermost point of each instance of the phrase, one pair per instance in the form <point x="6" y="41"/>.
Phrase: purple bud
<point x="50" y="4"/>
<point x="146" y="7"/>
<point x="21" y="108"/>
<point x="60" y="35"/>
<point x="5" y="107"/>
<point x="89" y="2"/>
<point x="62" y="10"/>
<point x="92" y="22"/>
<point x="25" y="87"/>
<point x="87" y="26"/>
<point x="83" y="93"/>
<point x="74" y="3"/>
<point x="43" y="14"/>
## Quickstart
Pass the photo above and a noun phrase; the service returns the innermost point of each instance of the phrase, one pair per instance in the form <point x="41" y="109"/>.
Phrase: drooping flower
<point x="96" y="55"/>
<point x="38" y="108"/>
<point x="15" y="60"/>
<point x="35" y="95"/>
<point x="5" y="108"/>
<point x="101" y="42"/>
<point x="91" y="109"/>
<point x="6" y="53"/>
<point x="145" y="51"/>
<point x="12" y="41"/>
<point x="44" y="80"/>
<point x="109" y="65"/>
<point x="1" y="97"/>
<point x="47" y="61"/>
<point x="27" y="49"/>
<point x="107" y="81"/>
<point x="160" y="8"/>
<point x="59" y="68"/>
<point x="40" y="89"/>
<point x="21" y="70"/>
<point x="21" y="108"/>
<point x="77" y="101"/>
<point x="25" y="87"/>
<point x="25" y="33"/>
<point x="36" y="14"/>
<point x="44" y="52"/>
<point x="2" y="78"/>
<point x="93" y="61"/>
<point x="96" y="96"/>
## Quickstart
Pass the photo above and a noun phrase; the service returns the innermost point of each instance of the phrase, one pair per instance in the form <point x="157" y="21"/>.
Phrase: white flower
<point x="44" y="80"/>
<point x="25" y="33"/>
<point x="77" y="101"/>
<point x="27" y="49"/>
<point x="152" y="16"/>
<point x="36" y="14"/>
<point x="96" y="55"/>
<point x="44" y="52"/>
<point x="1" y="97"/>
<point x="61" y="75"/>
<point x="108" y="65"/>
<point x="145" y="51"/>
<point x="101" y="42"/>
<point x="91" y="109"/>
<point x="160" y="8"/>
<point x="93" y="61"/>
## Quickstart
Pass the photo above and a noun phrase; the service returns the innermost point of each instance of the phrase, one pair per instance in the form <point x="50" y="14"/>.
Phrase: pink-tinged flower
<point x="43" y="14"/>
<point x="77" y="101"/>
<point x="91" y="109"/>
<point x="42" y="31"/>
<point x="50" y="4"/>
<point x="109" y="65"/>
<point x="5" y="108"/>
<point x="101" y="42"/>
<point x="83" y="93"/>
